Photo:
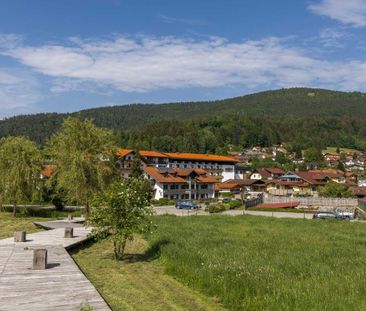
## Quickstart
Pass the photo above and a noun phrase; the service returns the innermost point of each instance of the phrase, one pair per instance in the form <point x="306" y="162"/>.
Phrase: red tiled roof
<point x="180" y="156"/>
<point x="275" y="170"/>
<point x="124" y="152"/>
<point x="279" y="205"/>
<point x="332" y="173"/>
<point x="207" y="179"/>
<point x="153" y="154"/>
<point x="314" y="179"/>
<point x="155" y="174"/>
<point x="264" y="173"/>
<point x="200" y="157"/>
<point x="227" y="186"/>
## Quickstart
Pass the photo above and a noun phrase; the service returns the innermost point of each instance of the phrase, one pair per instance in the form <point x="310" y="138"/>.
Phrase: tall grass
<point x="258" y="263"/>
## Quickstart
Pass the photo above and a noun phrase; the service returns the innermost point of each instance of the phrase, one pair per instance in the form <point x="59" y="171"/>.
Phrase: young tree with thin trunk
<point x="123" y="211"/>
<point x="85" y="159"/>
<point x="20" y="170"/>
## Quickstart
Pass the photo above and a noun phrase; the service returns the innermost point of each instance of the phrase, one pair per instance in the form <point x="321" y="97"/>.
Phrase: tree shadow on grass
<point x="152" y="253"/>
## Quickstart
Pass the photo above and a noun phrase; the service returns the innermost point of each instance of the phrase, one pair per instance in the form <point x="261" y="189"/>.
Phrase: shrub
<point x="234" y="204"/>
<point x="217" y="208"/>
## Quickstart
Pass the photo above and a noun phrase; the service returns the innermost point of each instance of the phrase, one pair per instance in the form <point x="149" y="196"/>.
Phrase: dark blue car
<point x="186" y="204"/>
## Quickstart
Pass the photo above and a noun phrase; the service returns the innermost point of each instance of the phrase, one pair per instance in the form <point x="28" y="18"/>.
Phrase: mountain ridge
<point x="296" y="102"/>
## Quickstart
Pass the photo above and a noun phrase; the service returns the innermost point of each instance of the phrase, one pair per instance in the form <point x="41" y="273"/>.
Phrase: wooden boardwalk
<point x="62" y="286"/>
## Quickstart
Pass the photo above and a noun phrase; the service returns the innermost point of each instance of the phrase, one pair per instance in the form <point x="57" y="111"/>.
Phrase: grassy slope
<point x="139" y="282"/>
<point x="257" y="263"/>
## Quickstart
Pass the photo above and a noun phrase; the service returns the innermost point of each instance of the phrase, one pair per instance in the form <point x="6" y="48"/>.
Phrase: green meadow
<point x="258" y="263"/>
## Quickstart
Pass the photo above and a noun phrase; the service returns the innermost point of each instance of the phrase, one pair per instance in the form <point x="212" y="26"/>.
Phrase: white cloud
<point x="141" y="64"/>
<point x="352" y="12"/>
<point x="331" y="37"/>
<point x="19" y="90"/>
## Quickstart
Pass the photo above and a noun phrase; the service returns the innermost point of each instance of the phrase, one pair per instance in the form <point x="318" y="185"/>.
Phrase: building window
<point x="165" y="187"/>
<point x="204" y="187"/>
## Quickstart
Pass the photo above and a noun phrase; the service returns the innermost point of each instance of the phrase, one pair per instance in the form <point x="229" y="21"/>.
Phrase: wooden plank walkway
<point x="62" y="286"/>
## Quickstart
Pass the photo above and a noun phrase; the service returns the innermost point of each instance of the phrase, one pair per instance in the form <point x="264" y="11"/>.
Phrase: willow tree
<point x="20" y="170"/>
<point x="85" y="160"/>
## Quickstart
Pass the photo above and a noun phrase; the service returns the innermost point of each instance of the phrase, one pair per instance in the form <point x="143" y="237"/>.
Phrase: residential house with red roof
<point x="174" y="183"/>
<point x="266" y="173"/>
<point x="297" y="183"/>
<point x="220" y="166"/>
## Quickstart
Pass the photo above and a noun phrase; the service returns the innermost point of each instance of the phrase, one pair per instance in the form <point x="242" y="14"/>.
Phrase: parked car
<point x="346" y="215"/>
<point x="340" y="215"/>
<point x="186" y="204"/>
<point x="325" y="215"/>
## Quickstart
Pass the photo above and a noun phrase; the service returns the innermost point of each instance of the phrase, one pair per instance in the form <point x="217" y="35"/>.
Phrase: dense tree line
<point x="302" y="117"/>
<point x="213" y="134"/>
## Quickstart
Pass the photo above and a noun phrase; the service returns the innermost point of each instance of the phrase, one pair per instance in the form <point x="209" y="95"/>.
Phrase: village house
<point x="174" y="183"/>
<point x="235" y="186"/>
<point x="296" y="183"/>
<point x="223" y="167"/>
<point x="332" y="159"/>
<point x="266" y="173"/>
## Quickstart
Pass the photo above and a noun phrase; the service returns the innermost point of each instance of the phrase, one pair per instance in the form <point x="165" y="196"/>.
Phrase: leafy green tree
<point x="281" y="158"/>
<point x="20" y="170"/>
<point x="340" y="166"/>
<point x="313" y="154"/>
<point x="85" y="160"/>
<point x="335" y="190"/>
<point x="136" y="170"/>
<point x="123" y="211"/>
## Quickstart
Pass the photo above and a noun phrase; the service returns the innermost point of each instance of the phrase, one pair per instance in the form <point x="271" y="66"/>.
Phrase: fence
<point x="254" y="202"/>
<point x="312" y="201"/>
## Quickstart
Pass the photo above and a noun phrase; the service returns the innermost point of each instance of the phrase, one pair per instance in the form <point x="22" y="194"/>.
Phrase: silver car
<point x="325" y="215"/>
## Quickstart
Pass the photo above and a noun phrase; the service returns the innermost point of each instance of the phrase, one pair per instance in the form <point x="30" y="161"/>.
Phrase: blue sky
<point x="67" y="55"/>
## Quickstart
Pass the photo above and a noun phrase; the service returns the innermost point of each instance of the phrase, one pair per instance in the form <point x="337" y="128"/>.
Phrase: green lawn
<point x="285" y="210"/>
<point x="24" y="222"/>
<point x="258" y="263"/>
<point x="334" y="149"/>
<point x="9" y="224"/>
<point x="138" y="282"/>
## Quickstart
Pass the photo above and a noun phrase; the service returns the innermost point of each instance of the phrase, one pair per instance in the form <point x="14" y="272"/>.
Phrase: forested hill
<point x="279" y="104"/>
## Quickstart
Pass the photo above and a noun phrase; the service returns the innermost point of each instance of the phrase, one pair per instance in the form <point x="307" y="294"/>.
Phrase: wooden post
<point x="20" y="236"/>
<point x="69" y="232"/>
<point x="40" y="259"/>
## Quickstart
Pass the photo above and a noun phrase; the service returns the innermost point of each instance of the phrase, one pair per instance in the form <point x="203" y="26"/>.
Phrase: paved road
<point x="171" y="210"/>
